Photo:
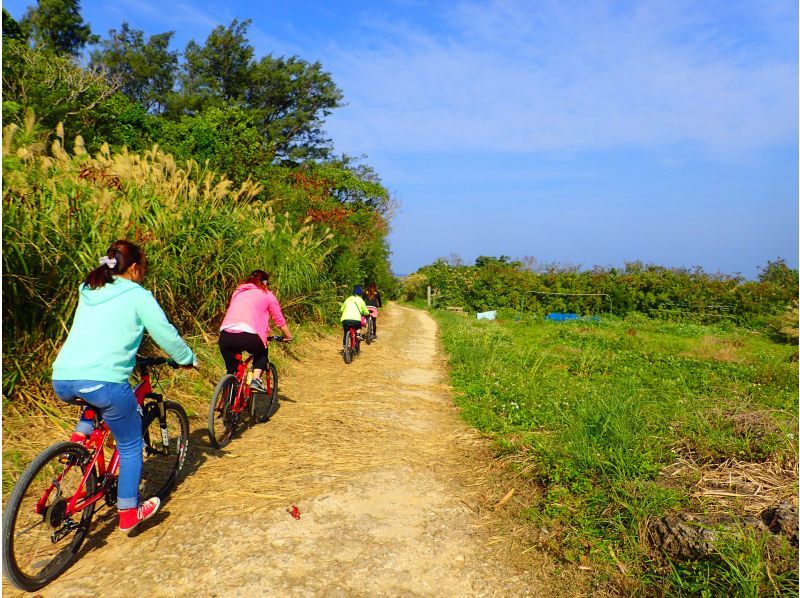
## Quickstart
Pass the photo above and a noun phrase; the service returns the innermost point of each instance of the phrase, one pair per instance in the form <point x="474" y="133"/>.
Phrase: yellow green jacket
<point x="353" y="308"/>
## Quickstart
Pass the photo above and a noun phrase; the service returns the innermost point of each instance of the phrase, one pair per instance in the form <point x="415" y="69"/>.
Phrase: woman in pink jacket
<point x="246" y="325"/>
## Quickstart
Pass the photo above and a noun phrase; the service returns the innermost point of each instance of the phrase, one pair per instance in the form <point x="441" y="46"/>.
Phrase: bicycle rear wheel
<point x="40" y="541"/>
<point x="221" y="419"/>
<point x="166" y="441"/>
<point x="348" y="354"/>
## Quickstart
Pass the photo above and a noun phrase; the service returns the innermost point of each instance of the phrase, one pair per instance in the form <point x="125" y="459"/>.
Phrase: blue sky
<point x="583" y="133"/>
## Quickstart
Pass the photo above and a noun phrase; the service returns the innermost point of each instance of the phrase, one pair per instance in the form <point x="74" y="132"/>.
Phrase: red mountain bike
<point x="233" y="402"/>
<point x="49" y="511"/>
<point x="353" y="346"/>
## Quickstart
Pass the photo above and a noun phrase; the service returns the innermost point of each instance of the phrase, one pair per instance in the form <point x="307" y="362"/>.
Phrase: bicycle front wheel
<point x="166" y="442"/>
<point x="268" y="403"/>
<point x="40" y="539"/>
<point x="221" y="419"/>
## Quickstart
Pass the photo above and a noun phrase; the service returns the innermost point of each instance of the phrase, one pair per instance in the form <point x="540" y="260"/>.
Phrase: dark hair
<point x="125" y="253"/>
<point x="258" y="278"/>
<point x="372" y="290"/>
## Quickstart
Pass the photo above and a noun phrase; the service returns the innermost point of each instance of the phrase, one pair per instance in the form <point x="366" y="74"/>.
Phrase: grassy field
<point x="624" y="421"/>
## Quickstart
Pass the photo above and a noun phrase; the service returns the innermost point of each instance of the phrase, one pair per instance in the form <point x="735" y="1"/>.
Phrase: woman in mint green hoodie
<point x="99" y="355"/>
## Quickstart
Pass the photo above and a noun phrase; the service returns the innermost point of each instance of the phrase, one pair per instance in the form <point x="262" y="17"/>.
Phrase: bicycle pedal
<point x="71" y="460"/>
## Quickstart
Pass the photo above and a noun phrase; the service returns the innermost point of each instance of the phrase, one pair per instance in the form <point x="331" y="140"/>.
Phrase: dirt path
<point x="377" y="461"/>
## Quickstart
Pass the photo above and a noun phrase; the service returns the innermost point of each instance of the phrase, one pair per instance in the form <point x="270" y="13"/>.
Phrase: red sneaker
<point x="130" y="518"/>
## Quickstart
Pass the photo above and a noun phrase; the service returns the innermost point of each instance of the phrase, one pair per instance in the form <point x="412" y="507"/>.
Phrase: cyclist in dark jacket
<point x="373" y="299"/>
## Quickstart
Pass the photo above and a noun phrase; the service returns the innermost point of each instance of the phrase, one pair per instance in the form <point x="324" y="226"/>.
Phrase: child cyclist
<point x="352" y="309"/>
<point x="99" y="355"/>
<point x="246" y="325"/>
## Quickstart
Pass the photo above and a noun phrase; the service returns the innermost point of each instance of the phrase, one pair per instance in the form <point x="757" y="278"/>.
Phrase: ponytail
<point x="120" y="256"/>
<point x="258" y="278"/>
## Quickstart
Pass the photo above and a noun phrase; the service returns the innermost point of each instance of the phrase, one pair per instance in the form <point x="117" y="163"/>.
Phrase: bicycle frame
<point x="95" y="443"/>
<point x="243" y="390"/>
<point x="353" y="339"/>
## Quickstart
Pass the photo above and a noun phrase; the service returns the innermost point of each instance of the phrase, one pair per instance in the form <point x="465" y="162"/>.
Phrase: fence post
<point x="429" y="296"/>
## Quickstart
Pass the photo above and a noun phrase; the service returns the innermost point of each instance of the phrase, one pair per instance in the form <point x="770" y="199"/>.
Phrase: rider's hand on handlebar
<point x="191" y="366"/>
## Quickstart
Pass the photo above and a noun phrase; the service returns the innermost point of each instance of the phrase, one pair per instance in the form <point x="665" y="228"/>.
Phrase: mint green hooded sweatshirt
<point x="107" y="331"/>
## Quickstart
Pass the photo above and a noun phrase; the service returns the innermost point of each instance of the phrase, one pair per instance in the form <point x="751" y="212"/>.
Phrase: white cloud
<point x="545" y="76"/>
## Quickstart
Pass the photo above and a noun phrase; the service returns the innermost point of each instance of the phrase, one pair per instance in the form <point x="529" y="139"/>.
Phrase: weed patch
<point x="624" y="422"/>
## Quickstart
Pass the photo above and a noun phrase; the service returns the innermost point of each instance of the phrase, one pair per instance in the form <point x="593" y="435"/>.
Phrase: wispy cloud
<point x="548" y="76"/>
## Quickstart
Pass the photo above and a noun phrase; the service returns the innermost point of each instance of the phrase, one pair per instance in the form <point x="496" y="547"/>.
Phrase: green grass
<point x="597" y="410"/>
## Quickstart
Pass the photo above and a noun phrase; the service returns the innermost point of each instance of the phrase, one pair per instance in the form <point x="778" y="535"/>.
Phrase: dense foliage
<point x="494" y="283"/>
<point x="201" y="234"/>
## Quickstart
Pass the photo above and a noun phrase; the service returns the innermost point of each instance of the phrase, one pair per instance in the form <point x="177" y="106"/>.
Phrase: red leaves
<point x="332" y="217"/>
<point x="102" y="177"/>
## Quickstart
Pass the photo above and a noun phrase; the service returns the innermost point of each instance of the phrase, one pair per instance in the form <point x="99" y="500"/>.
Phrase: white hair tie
<point x="108" y="261"/>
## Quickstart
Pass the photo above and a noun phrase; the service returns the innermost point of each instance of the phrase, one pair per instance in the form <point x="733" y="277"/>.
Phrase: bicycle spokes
<point x="42" y="533"/>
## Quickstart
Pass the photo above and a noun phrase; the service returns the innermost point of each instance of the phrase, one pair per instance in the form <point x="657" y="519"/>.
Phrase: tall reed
<point x="201" y="234"/>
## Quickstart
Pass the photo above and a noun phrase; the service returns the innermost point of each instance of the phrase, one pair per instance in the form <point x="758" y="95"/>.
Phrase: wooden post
<point x="429" y="296"/>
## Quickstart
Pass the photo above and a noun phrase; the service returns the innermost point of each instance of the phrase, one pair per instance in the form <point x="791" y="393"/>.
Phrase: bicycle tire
<point x="348" y="355"/>
<point x="162" y="464"/>
<point x="251" y="408"/>
<point x="271" y="398"/>
<point x="22" y="506"/>
<point x="368" y="335"/>
<point x="221" y="421"/>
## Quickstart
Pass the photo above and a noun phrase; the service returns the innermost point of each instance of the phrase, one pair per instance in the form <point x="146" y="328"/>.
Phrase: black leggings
<point x="231" y="343"/>
<point x="347" y="325"/>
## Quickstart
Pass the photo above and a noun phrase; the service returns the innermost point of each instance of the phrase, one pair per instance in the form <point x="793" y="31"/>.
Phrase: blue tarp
<point x="487" y="315"/>
<point x="558" y="317"/>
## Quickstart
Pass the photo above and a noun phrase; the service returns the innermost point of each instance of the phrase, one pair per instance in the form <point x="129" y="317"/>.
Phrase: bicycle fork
<point x="162" y="416"/>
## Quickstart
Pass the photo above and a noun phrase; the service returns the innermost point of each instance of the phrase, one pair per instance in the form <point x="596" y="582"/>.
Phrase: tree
<point x="483" y="261"/>
<point x="779" y="273"/>
<point x="289" y="98"/>
<point x="58" y="90"/>
<point x="219" y="71"/>
<point x="57" y="25"/>
<point x="225" y="136"/>
<point x="145" y="70"/>
<point x="12" y="29"/>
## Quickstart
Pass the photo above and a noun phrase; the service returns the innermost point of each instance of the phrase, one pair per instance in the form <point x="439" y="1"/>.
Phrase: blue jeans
<point x="117" y="404"/>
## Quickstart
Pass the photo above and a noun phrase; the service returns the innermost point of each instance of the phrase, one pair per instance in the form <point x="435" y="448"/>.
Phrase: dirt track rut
<point x="377" y="461"/>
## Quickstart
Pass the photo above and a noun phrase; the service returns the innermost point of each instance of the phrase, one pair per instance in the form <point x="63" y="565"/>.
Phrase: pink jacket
<point x="253" y="306"/>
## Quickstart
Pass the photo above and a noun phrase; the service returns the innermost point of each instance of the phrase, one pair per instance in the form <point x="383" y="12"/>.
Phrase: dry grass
<point x="717" y="349"/>
<point x="735" y="486"/>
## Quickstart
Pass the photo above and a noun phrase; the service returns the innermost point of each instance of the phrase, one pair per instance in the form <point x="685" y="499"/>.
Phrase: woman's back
<point x="106" y="332"/>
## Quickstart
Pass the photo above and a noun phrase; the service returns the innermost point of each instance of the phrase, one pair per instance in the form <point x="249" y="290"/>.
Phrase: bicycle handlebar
<point x="150" y="361"/>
